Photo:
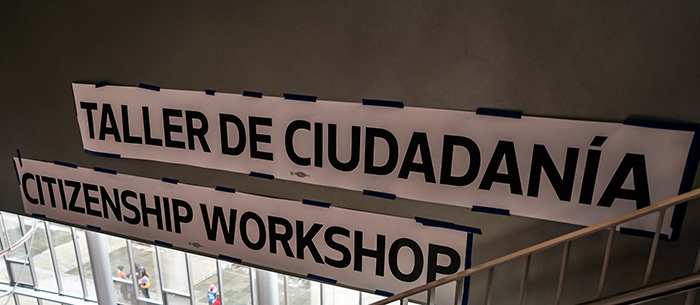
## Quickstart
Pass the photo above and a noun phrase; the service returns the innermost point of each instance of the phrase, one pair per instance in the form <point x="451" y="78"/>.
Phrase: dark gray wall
<point x="593" y="60"/>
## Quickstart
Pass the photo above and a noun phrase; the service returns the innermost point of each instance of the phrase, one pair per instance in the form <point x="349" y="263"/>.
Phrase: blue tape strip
<point x="230" y="259"/>
<point x="149" y="87"/>
<point x="642" y="233"/>
<point x="691" y="164"/>
<point x="16" y="172"/>
<point x="321" y="278"/>
<point x="467" y="265"/>
<point x="225" y="189"/>
<point x="106" y="171"/>
<point x="163" y="244"/>
<point x="394" y="104"/>
<point x="91" y="227"/>
<point x="299" y="97"/>
<point x="19" y="156"/>
<point x="379" y="194"/>
<point x="490" y="210"/>
<point x="40" y="216"/>
<point x="383" y="293"/>
<point x="252" y="94"/>
<point x="209" y="92"/>
<point x="261" y="175"/>
<point x="168" y="180"/>
<point x="100" y="84"/>
<point x="447" y="225"/>
<point x="66" y="164"/>
<point x="500" y="112"/>
<point x="101" y="154"/>
<point x="316" y="203"/>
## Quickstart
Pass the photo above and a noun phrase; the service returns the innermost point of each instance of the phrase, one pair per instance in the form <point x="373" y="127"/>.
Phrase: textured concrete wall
<point x="593" y="60"/>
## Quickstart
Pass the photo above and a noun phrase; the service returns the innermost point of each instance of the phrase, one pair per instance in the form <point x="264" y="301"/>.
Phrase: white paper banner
<point x="562" y="170"/>
<point x="356" y="249"/>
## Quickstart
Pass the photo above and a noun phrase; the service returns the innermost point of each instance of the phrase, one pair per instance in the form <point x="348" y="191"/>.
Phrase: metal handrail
<point x="564" y="239"/>
<point x="652" y="292"/>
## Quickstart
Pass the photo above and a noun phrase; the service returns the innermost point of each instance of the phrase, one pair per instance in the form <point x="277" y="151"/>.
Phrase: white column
<point x="267" y="287"/>
<point x="99" y="260"/>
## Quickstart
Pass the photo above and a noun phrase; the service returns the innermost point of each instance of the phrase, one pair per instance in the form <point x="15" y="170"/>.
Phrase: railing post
<point x="606" y="261"/>
<point x="431" y="297"/>
<point x="654" y="245"/>
<point x="459" y="291"/>
<point x="523" y="279"/>
<point x="691" y="294"/>
<point x="489" y="279"/>
<point x="562" y="271"/>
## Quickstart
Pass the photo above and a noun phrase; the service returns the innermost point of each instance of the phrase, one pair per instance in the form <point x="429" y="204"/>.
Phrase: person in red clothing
<point x="217" y="301"/>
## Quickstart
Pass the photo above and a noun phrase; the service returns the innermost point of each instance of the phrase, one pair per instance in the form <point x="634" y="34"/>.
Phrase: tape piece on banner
<point x="252" y="94"/>
<point x="101" y="154"/>
<point x="447" y="225"/>
<point x="16" y="173"/>
<point x="40" y="216"/>
<point x="598" y="141"/>
<point x="230" y="259"/>
<point x="299" y="97"/>
<point x="261" y="175"/>
<point x="321" y="278"/>
<point x="225" y="189"/>
<point x="19" y="156"/>
<point x="489" y="210"/>
<point x="382" y="103"/>
<point x="379" y="194"/>
<point x="163" y="244"/>
<point x="500" y="112"/>
<point x="168" y="180"/>
<point x="94" y="228"/>
<point x="104" y="170"/>
<point x="149" y="87"/>
<point x="100" y="84"/>
<point x="642" y="233"/>
<point x="66" y="164"/>
<point x="209" y="92"/>
<point x="383" y="293"/>
<point x="316" y="203"/>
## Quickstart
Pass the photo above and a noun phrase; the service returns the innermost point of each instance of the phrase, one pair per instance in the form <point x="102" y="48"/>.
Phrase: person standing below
<point x="120" y="273"/>
<point x="217" y="301"/>
<point x="211" y="294"/>
<point x="145" y="283"/>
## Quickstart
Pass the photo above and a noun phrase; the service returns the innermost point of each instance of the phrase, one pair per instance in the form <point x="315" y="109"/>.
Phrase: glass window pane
<point x="45" y="302"/>
<point x="21" y="274"/>
<point x="340" y="295"/>
<point x="85" y="262"/>
<point x="41" y="257"/>
<point x="203" y="276"/>
<point x="3" y="300"/>
<point x="15" y="234"/>
<point x="118" y="256"/>
<point x="236" y="282"/>
<point x="145" y="257"/>
<point x="303" y="292"/>
<point x="175" y="275"/>
<point x="66" y="259"/>
<point x="177" y="300"/>
<point x="25" y="300"/>
<point x="4" y="277"/>
<point x="124" y="290"/>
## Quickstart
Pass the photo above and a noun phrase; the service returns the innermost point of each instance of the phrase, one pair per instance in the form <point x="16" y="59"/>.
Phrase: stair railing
<point x="526" y="254"/>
